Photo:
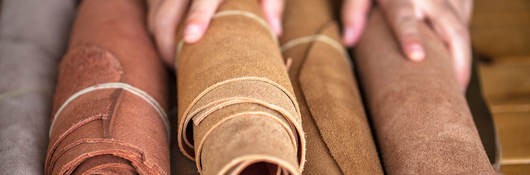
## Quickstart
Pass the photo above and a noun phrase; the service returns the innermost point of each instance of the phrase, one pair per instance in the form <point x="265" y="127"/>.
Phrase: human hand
<point x="165" y="15"/>
<point x="449" y="18"/>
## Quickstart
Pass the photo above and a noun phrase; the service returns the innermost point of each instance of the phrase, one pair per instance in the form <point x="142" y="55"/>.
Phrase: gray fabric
<point x="33" y="37"/>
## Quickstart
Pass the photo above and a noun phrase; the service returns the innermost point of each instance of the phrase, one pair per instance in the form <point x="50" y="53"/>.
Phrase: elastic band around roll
<point x="115" y="85"/>
<point x="312" y="38"/>
<point x="249" y="15"/>
<point x="308" y="39"/>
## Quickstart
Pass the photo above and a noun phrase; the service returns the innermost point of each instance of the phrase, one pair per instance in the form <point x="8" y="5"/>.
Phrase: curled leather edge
<point x="294" y="120"/>
<point x="51" y="156"/>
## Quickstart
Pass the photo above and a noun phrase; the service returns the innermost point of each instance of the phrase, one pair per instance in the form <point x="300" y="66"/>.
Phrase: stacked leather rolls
<point x="420" y="115"/>
<point x="339" y="140"/>
<point x="237" y="109"/>
<point x="110" y="102"/>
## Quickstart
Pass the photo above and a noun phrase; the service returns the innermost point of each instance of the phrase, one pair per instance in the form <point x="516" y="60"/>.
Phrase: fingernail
<point x="348" y="36"/>
<point x="276" y="26"/>
<point x="415" y="52"/>
<point x="192" y="33"/>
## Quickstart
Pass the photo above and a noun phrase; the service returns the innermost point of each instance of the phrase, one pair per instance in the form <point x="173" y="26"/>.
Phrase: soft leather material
<point x="117" y="130"/>
<point x="33" y="37"/>
<point x="339" y="140"/>
<point x="237" y="110"/>
<point x="421" y="118"/>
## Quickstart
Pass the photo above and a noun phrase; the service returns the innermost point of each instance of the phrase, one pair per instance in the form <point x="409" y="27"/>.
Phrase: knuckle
<point x="399" y="4"/>
<point x="461" y="32"/>
<point x="403" y="20"/>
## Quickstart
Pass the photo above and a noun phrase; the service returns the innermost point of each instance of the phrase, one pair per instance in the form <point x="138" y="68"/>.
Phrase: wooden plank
<point x="514" y="131"/>
<point x="515" y="169"/>
<point x="501" y="28"/>
<point x="506" y="84"/>
<point x="506" y="87"/>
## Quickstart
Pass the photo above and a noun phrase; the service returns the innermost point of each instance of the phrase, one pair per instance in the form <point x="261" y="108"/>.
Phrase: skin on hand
<point x="164" y="16"/>
<point x="449" y="18"/>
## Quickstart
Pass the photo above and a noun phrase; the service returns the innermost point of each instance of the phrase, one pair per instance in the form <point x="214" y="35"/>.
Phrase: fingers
<point x="463" y="8"/>
<point x="401" y="16"/>
<point x="164" y="16"/>
<point x="273" y="11"/>
<point x="199" y="16"/>
<point x="153" y="6"/>
<point x="454" y="32"/>
<point x="354" y="14"/>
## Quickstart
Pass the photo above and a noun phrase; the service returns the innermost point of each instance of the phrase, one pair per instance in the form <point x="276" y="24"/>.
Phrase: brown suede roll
<point x="339" y="140"/>
<point x="421" y="119"/>
<point x="237" y="110"/>
<point x="109" y="106"/>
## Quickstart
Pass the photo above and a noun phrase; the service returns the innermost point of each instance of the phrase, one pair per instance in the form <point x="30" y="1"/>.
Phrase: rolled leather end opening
<point x="246" y="124"/>
<point x="249" y="144"/>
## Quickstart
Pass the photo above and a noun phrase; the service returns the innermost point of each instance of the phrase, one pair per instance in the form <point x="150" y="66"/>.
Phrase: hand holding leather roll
<point x="237" y="110"/>
<point x="421" y="118"/>
<point x="110" y="102"/>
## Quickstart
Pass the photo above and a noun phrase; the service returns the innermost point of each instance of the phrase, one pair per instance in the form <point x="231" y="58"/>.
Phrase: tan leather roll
<point x="109" y="106"/>
<point x="237" y="109"/>
<point x="421" y="119"/>
<point x="339" y="140"/>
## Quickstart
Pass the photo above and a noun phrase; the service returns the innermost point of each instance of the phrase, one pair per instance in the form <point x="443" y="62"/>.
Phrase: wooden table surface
<point x="500" y="31"/>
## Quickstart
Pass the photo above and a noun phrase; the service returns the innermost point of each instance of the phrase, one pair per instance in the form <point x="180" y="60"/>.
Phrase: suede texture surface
<point x="112" y="130"/>
<point x="33" y="37"/>
<point x="237" y="109"/>
<point x="339" y="139"/>
<point x="422" y="121"/>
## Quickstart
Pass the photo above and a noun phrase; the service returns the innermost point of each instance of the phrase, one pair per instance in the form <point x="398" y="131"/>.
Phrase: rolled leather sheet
<point x="237" y="109"/>
<point x="421" y="118"/>
<point x="33" y="37"/>
<point x="109" y="114"/>
<point x="339" y="139"/>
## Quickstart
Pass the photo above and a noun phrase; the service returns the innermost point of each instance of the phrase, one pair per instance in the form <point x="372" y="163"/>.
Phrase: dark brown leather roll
<point x="421" y="118"/>
<point x="339" y="140"/>
<point x="237" y="110"/>
<point x="109" y="114"/>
